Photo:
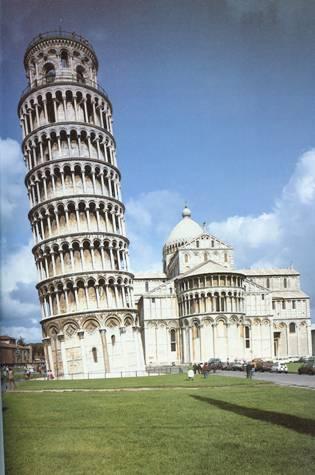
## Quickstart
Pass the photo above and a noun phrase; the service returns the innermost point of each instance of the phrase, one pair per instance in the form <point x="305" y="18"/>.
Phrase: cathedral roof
<point x="289" y="294"/>
<point x="185" y="230"/>
<point x="269" y="272"/>
<point x="210" y="267"/>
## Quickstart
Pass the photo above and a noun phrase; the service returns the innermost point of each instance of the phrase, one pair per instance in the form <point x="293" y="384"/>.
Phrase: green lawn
<point x="231" y="426"/>
<point x="179" y="380"/>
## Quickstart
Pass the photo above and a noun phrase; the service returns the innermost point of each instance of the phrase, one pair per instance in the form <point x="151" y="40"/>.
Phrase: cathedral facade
<point x="97" y="317"/>
<point x="201" y="307"/>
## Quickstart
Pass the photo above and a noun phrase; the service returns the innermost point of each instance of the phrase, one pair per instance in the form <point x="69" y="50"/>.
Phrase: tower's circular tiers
<point x="73" y="182"/>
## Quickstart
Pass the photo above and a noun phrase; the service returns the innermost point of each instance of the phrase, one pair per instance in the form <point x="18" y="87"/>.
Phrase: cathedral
<point x="99" y="319"/>
<point x="201" y="307"/>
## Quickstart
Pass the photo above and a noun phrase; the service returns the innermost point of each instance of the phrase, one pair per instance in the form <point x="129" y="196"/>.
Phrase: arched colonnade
<point x="80" y="255"/>
<point x="60" y="142"/>
<point x="64" y="105"/>
<point x="84" y="293"/>
<point x="70" y="178"/>
<point x="65" y="217"/>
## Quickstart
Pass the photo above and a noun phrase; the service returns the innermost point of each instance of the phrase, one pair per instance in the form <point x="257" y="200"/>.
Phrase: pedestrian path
<point x="292" y="380"/>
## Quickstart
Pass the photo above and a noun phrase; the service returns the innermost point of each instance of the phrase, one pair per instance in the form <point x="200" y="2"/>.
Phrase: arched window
<point x="217" y="303"/>
<point x="49" y="72"/>
<point x="113" y="339"/>
<point x="268" y="283"/>
<point x="173" y="340"/>
<point x="285" y="282"/>
<point x="147" y="286"/>
<point x="197" y="244"/>
<point x="80" y="74"/>
<point x="225" y="257"/>
<point x="292" y="327"/>
<point x="196" y="332"/>
<point x="247" y="337"/>
<point x="64" y="59"/>
<point x="186" y="258"/>
<point x="94" y="353"/>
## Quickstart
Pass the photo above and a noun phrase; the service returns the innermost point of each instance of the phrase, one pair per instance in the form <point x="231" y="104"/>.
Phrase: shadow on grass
<point x="298" y="424"/>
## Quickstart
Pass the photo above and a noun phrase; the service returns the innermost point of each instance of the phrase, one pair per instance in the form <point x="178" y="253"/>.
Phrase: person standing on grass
<point x="249" y="370"/>
<point x="11" y="379"/>
<point x="190" y="374"/>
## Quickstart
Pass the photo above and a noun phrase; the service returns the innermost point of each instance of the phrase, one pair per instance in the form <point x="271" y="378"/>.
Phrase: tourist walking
<point x="205" y="370"/>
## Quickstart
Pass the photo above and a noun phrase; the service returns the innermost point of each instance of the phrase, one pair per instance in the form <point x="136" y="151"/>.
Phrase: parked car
<point x="226" y="365"/>
<point x="279" y="368"/>
<point x="261" y="365"/>
<point x="307" y="368"/>
<point x="238" y="365"/>
<point x="214" y="364"/>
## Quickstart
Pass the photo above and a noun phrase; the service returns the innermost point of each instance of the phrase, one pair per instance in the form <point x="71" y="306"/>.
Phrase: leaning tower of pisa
<point x="88" y="318"/>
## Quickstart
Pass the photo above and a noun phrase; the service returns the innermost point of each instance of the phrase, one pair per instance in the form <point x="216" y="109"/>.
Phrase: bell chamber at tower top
<point x="61" y="58"/>
<point x="62" y="88"/>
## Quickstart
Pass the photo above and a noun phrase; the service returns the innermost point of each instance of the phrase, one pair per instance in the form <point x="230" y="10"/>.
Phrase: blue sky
<point x="213" y="105"/>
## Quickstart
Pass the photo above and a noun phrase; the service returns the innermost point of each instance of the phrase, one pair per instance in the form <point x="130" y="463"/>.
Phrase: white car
<point x="279" y="368"/>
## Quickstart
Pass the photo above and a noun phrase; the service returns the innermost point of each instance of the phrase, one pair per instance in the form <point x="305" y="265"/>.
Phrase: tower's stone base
<point x="94" y="345"/>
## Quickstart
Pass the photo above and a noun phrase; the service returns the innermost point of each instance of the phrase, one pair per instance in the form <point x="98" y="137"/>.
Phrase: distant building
<point x="7" y="350"/>
<point x="11" y="353"/>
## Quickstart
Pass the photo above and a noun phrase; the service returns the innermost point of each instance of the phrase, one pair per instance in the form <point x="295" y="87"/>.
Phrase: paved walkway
<point x="301" y="381"/>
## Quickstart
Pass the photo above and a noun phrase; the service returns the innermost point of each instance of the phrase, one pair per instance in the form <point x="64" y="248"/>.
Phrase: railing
<point x="50" y="80"/>
<point x="60" y="34"/>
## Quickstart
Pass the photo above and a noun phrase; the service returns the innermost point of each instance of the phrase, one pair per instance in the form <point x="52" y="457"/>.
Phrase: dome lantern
<point x="186" y="212"/>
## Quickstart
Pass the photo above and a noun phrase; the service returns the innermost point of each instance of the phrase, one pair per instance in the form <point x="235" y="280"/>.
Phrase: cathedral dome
<point x="185" y="230"/>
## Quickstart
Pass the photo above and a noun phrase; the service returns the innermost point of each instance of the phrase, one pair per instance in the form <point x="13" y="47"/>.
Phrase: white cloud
<point x="18" y="267"/>
<point x="11" y="160"/>
<point x="301" y="186"/>
<point x="11" y="178"/>
<point x="150" y="217"/>
<point x="19" y="304"/>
